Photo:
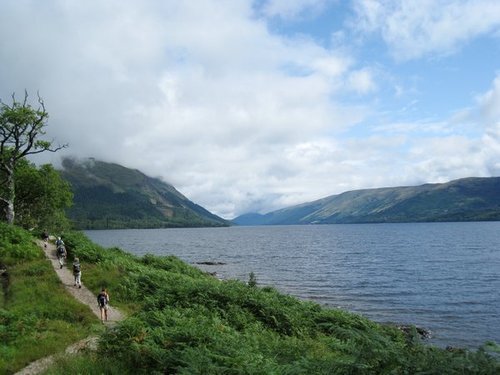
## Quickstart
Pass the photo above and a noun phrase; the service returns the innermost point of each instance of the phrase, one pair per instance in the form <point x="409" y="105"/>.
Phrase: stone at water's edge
<point x="424" y="333"/>
<point x="209" y="263"/>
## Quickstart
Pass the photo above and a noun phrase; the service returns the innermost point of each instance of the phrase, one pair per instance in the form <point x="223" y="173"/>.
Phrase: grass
<point x="187" y="322"/>
<point x="86" y="363"/>
<point x="37" y="316"/>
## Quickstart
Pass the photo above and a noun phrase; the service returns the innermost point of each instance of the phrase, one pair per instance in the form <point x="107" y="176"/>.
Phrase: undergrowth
<point x="184" y="321"/>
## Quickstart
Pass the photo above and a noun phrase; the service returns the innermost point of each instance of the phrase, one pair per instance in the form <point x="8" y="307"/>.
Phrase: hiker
<point x="102" y="302"/>
<point x="45" y="237"/>
<point x="61" y="255"/>
<point x="59" y="242"/>
<point x="77" y="272"/>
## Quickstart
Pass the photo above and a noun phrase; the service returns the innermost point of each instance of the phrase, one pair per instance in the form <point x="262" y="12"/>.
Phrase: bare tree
<point x="21" y="127"/>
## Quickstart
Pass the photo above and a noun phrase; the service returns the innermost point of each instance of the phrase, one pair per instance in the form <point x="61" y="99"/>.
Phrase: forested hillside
<point x="108" y="195"/>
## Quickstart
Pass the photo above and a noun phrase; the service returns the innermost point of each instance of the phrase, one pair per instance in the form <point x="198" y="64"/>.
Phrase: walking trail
<point x="82" y="294"/>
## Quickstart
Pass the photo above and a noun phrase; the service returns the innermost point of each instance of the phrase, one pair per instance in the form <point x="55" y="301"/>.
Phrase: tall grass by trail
<point x="184" y="321"/>
<point x="37" y="316"/>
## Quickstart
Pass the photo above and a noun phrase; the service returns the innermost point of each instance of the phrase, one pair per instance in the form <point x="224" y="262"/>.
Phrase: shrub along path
<point x="82" y="294"/>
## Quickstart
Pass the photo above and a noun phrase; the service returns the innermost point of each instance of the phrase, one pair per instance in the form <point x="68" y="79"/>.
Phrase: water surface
<point x="441" y="276"/>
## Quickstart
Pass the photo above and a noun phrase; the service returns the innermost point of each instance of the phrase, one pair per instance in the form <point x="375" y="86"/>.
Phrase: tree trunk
<point x="11" y="194"/>
<point x="10" y="212"/>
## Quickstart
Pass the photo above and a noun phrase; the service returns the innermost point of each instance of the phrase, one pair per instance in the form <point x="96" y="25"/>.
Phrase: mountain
<point x="467" y="199"/>
<point x="108" y="195"/>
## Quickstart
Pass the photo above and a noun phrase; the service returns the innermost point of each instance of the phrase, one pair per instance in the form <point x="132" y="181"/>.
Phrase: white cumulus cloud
<point x="416" y="28"/>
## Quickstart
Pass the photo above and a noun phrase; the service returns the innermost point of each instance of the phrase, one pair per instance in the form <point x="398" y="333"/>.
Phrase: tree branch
<point x="40" y="150"/>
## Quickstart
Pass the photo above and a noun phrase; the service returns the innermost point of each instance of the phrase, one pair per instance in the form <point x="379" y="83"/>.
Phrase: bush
<point x="16" y="244"/>
<point x="171" y="264"/>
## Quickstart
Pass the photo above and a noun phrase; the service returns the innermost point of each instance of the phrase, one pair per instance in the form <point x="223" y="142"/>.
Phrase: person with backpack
<point x="102" y="302"/>
<point x="77" y="273"/>
<point x="61" y="255"/>
<point x="59" y="242"/>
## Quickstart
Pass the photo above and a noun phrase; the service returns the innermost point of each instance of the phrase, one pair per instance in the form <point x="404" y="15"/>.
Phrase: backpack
<point x="76" y="267"/>
<point x="101" y="299"/>
<point x="60" y="250"/>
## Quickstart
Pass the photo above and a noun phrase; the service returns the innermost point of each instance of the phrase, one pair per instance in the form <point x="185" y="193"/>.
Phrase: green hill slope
<point x="108" y="195"/>
<point x="468" y="199"/>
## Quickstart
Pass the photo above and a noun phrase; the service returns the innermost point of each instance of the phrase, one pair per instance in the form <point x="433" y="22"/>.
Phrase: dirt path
<point x="84" y="296"/>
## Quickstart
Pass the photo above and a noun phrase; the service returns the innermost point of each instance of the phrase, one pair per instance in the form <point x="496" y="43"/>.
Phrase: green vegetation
<point x="184" y="321"/>
<point x="42" y="197"/>
<point x="21" y="129"/>
<point x="37" y="316"/>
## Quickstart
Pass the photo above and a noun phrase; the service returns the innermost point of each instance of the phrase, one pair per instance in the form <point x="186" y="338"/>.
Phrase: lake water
<point x="441" y="276"/>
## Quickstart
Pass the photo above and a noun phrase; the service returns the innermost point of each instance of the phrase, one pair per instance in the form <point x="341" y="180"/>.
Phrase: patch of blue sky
<point x="415" y="96"/>
<point x="443" y="85"/>
<point x="321" y="25"/>
<point x="436" y="85"/>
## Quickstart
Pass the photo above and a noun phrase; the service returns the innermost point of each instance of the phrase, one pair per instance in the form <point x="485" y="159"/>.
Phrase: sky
<point x="252" y="106"/>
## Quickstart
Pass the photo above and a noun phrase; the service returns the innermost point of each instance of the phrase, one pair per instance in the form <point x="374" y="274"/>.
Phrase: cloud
<point x="362" y="81"/>
<point x="416" y="28"/>
<point x="489" y="104"/>
<point x="489" y="109"/>
<point x="200" y="94"/>
<point x="466" y="144"/>
<point x="236" y="117"/>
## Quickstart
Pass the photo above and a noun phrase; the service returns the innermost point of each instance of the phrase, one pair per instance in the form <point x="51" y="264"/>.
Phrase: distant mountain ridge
<point x="467" y="199"/>
<point x="108" y="195"/>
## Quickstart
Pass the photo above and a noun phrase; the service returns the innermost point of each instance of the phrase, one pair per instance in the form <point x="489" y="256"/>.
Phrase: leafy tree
<point x="42" y="196"/>
<point x="21" y="127"/>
